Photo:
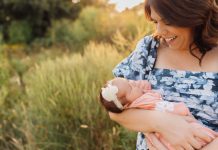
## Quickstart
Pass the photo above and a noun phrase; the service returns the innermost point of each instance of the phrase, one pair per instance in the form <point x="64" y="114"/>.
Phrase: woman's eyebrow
<point x="152" y="19"/>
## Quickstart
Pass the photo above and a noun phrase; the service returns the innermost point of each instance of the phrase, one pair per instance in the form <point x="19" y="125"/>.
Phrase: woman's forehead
<point x="155" y="15"/>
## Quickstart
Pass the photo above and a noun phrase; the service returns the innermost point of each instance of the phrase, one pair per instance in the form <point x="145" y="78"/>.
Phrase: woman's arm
<point x="212" y="146"/>
<point x="136" y="119"/>
<point x="174" y="128"/>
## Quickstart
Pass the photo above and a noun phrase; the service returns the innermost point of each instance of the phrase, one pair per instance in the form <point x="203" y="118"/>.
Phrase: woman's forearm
<point x="211" y="146"/>
<point x="138" y="120"/>
<point x="167" y="124"/>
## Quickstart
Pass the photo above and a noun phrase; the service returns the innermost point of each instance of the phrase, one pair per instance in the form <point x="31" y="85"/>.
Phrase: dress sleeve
<point x="134" y="66"/>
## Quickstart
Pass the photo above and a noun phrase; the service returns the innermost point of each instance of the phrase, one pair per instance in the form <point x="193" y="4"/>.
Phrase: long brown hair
<point x="201" y="15"/>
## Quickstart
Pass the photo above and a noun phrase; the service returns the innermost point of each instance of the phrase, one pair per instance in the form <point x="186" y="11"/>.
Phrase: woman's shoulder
<point x="147" y="40"/>
<point x="134" y="65"/>
<point x="211" y="59"/>
<point x="146" y="46"/>
<point x="214" y="51"/>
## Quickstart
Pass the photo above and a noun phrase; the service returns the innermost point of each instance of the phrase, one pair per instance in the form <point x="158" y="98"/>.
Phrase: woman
<point x="181" y="62"/>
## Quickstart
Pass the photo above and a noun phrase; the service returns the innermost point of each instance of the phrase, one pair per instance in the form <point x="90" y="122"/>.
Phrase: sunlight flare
<point x="121" y="5"/>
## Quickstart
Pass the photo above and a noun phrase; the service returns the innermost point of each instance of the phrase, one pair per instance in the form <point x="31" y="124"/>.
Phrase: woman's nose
<point x="161" y="30"/>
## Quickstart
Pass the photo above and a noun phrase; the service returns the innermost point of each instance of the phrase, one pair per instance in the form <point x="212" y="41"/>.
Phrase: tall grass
<point x="63" y="103"/>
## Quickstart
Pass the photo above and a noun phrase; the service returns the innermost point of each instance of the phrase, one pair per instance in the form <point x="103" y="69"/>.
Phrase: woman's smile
<point x="170" y="41"/>
<point x="177" y="38"/>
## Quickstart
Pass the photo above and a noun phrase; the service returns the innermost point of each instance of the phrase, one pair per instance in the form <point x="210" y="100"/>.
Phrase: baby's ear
<point x="120" y="93"/>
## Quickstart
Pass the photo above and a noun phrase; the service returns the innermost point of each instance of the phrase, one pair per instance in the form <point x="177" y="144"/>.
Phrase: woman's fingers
<point x="215" y="133"/>
<point x="190" y="119"/>
<point x="202" y="135"/>
<point x="156" y="142"/>
<point x="150" y="146"/>
<point x="196" y="144"/>
<point x="180" y="148"/>
<point x="186" y="146"/>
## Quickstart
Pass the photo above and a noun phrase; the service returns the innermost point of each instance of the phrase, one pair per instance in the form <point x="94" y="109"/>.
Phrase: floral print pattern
<point x="198" y="90"/>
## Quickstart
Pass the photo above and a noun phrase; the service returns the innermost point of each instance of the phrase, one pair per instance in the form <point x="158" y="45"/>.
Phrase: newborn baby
<point x="120" y="94"/>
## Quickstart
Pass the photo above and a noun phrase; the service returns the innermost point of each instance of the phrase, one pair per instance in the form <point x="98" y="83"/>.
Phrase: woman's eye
<point x="155" y="22"/>
<point x="168" y="24"/>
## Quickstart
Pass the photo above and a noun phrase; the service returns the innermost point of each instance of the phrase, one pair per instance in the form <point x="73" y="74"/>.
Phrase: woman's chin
<point x="172" y="47"/>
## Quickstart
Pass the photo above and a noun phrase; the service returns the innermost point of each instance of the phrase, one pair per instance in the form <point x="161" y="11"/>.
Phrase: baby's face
<point x="129" y="90"/>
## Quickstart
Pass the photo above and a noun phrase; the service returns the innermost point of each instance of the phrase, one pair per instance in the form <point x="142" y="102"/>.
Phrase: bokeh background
<point x="54" y="57"/>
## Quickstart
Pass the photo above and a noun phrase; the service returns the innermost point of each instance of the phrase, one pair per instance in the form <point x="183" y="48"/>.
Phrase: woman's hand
<point x="178" y="131"/>
<point x="154" y="143"/>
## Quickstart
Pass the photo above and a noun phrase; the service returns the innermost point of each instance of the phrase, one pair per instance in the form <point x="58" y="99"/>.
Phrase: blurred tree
<point x="19" y="32"/>
<point x="37" y="13"/>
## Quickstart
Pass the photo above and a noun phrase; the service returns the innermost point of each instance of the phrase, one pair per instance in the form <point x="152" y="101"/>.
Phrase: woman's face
<point x="177" y="38"/>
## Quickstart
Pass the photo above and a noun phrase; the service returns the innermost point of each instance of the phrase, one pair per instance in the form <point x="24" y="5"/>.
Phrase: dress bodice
<point x="198" y="90"/>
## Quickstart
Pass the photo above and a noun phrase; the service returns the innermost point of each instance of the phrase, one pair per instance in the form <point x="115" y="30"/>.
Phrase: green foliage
<point x="61" y="32"/>
<point x="89" y="17"/>
<point x="78" y="33"/>
<point x="99" y="24"/>
<point x="1" y="36"/>
<point x="63" y="99"/>
<point x="4" y="68"/>
<point x="37" y="13"/>
<point x="20" y="32"/>
<point x="19" y="66"/>
<point x="86" y="24"/>
<point x="75" y="34"/>
<point x="4" y="77"/>
<point x="10" y="95"/>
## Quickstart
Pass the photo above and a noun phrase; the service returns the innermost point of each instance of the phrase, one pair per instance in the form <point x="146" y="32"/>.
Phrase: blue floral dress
<point x="198" y="90"/>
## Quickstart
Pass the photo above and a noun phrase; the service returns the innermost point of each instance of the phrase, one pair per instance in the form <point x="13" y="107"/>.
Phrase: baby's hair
<point x="109" y="106"/>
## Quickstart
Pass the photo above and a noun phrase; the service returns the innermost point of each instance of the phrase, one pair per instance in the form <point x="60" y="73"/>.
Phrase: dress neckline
<point x="185" y="74"/>
<point x="154" y="55"/>
<point x="185" y="71"/>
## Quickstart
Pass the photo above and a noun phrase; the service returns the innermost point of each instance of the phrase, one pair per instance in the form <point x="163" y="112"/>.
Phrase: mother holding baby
<point x="180" y="60"/>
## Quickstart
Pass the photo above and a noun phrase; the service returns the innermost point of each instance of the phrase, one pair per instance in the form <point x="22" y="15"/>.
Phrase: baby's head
<point x="118" y="92"/>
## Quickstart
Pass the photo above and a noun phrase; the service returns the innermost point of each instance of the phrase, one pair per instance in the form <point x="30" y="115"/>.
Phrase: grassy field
<point x="61" y="109"/>
<point x="49" y="88"/>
